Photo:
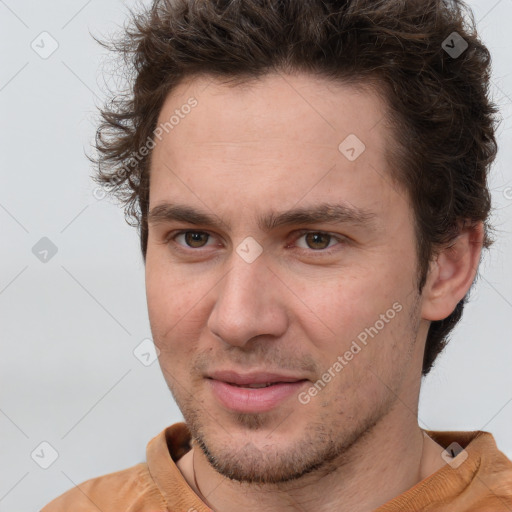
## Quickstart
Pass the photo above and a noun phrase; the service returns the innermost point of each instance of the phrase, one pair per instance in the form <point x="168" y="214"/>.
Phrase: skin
<point x="241" y="153"/>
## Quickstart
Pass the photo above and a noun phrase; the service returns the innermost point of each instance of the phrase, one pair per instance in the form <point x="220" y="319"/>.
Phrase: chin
<point x="260" y="451"/>
<point x="248" y="463"/>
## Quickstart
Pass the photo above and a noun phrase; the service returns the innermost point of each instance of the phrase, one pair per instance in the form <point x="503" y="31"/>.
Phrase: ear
<point x="452" y="273"/>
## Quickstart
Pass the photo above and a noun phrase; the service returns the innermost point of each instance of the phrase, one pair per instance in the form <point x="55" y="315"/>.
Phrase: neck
<point x="389" y="460"/>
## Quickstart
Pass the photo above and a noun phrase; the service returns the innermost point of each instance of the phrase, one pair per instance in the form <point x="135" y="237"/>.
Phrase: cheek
<point x="173" y="308"/>
<point x="347" y="304"/>
<point x="363" y="319"/>
<point x="365" y="364"/>
<point x="170" y="293"/>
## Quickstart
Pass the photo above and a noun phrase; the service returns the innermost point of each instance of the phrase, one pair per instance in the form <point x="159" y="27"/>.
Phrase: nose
<point x="249" y="303"/>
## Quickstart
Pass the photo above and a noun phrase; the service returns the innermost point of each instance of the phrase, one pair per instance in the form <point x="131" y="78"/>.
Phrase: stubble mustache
<point x="260" y="359"/>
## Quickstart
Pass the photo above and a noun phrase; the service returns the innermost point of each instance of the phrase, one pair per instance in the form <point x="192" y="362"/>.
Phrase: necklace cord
<point x="195" y="478"/>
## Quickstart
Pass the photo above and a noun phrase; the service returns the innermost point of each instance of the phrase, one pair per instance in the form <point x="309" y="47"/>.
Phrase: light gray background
<point x="69" y="326"/>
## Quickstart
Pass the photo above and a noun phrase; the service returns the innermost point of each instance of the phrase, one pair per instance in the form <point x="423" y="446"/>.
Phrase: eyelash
<point x="339" y="238"/>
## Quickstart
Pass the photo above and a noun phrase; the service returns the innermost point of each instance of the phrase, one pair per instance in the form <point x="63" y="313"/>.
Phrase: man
<point x="309" y="179"/>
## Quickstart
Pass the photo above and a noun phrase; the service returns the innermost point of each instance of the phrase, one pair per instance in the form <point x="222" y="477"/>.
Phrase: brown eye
<point x="195" y="239"/>
<point x="317" y="240"/>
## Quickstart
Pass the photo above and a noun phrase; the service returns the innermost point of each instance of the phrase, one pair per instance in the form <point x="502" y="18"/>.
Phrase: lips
<point x="253" y="385"/>
<point x="246" y="379"/>
<point x="253" y="392"/>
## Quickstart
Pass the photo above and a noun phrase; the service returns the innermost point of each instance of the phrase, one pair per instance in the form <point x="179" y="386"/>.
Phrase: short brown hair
<point x="444" y="122"/>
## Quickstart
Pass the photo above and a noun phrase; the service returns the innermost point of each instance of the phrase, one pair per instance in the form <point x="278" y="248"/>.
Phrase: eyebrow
<point x="328" y="213"/>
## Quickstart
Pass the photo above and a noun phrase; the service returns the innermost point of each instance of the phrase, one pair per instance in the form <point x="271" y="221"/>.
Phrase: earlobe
<point x="452" y="273"/>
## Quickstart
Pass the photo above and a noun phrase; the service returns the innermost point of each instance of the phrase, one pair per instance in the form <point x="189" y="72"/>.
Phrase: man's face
<point x="326" y="311"/>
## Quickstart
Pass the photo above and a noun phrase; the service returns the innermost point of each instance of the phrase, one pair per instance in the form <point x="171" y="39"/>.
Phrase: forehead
<point x="296" y="133"/>
<point x="271" y="105"/>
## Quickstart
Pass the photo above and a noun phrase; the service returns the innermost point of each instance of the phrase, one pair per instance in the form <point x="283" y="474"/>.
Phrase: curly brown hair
<point x="438" y="101"/>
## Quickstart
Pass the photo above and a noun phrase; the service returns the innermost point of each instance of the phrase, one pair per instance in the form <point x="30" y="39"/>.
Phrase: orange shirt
<point x="482" y="483"/>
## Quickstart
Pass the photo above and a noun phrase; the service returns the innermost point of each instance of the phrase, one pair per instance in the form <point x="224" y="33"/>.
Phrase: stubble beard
<point x="321" y="448"/>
